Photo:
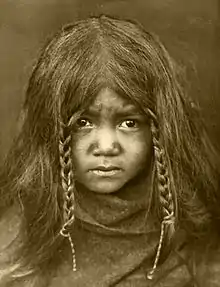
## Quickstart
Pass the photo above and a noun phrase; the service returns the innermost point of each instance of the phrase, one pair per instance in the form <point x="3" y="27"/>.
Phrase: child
<point x="111" y="180"/>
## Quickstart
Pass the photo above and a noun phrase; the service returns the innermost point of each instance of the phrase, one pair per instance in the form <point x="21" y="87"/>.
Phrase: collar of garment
<point x="125" y="212"/>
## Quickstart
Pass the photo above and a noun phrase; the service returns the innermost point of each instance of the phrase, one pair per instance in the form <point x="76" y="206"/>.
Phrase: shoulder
<point x="9" y="228"/>
<point x="197" y="262"/>
<point x="208" y="267"/>
<point x="202" y="258"/>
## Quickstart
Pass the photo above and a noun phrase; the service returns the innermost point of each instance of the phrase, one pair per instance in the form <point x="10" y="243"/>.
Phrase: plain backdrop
<point x="188" y="28"/>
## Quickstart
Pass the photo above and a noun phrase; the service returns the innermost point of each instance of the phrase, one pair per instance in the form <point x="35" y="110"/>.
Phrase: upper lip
<point x="105" y="167"/>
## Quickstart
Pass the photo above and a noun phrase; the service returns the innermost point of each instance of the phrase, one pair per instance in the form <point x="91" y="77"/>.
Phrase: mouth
<point x="106" y="171"/>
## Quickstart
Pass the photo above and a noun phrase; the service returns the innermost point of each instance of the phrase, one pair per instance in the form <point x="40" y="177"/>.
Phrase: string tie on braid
<point x="168" y="220"/>
<point x="65" y="233"/>
<point x="164" y="192"/>
<point x="67" y="183"/>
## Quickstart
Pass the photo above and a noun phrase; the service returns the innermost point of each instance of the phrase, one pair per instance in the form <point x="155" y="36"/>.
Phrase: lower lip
<point x="106" y="173"/>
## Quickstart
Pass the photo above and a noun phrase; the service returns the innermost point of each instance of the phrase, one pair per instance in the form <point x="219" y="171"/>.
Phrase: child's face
<point x="112" y="143"/>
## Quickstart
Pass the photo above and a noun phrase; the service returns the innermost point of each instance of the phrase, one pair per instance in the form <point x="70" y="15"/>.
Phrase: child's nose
<point x="106" y="143"/>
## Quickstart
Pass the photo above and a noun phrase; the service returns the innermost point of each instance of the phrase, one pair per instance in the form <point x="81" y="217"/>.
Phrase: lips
<point x="106" y="170"/>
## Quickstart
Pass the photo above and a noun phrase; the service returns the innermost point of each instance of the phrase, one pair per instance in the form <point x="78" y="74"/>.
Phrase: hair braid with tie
<point x="68" y="185"/>
<point x="164" y="191"/>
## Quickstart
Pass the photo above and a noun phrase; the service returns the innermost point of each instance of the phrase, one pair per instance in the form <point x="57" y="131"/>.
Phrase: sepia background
<point x="188" y="28"/>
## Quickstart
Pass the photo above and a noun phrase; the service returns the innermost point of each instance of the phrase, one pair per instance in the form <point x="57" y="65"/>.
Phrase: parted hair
<point x="74" y="65"/>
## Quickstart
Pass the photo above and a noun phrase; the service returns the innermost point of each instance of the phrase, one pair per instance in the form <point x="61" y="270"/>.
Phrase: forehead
<point x="109" y="100"/>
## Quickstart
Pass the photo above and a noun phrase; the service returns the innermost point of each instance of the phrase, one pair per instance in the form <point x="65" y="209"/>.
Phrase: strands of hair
<point x="75" y="64"/>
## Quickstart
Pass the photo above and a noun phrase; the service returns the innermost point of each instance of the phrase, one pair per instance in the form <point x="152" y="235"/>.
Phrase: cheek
<point x="139" y="149"/>
<point x="136" y="149"/>
<point x="140" y="152"/>
<point x="79" y="148"/>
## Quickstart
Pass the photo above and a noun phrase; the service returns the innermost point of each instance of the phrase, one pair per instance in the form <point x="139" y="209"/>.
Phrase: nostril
<point x="107" y="150"/>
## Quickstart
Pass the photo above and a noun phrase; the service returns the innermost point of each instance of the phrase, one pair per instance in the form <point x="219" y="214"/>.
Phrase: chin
<point x="105" y="188"/>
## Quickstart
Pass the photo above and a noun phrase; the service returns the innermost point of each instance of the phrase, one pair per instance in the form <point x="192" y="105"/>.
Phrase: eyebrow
<point x="127" y="110"/>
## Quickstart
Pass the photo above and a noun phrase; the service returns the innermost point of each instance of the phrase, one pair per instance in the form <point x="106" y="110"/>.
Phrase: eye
<point x="129" y="124"/>
<point x="83" y="123"/>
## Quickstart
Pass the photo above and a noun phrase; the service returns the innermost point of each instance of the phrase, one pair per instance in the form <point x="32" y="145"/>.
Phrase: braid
<point x="66" y="173"/>
<point x="165" y="195"/>
<point x="67" y="182"/>
<point x="164" y="192"/>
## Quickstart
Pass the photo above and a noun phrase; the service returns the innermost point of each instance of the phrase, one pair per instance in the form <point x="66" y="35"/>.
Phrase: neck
<point x="124" y="211"/>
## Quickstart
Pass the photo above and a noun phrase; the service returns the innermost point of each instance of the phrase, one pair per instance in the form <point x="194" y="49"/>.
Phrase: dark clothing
<point x="110" y="261"/>
<point x="115" y="245"/>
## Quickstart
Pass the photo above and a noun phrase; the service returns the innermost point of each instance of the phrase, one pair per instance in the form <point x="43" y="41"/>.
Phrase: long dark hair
<point x="74" y="65"/>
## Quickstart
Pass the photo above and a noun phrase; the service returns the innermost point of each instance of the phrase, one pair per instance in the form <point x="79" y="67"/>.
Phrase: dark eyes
<point x="126" y="124"/>
<point x="81" y="123"/>
<point x="129" y="124"/>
